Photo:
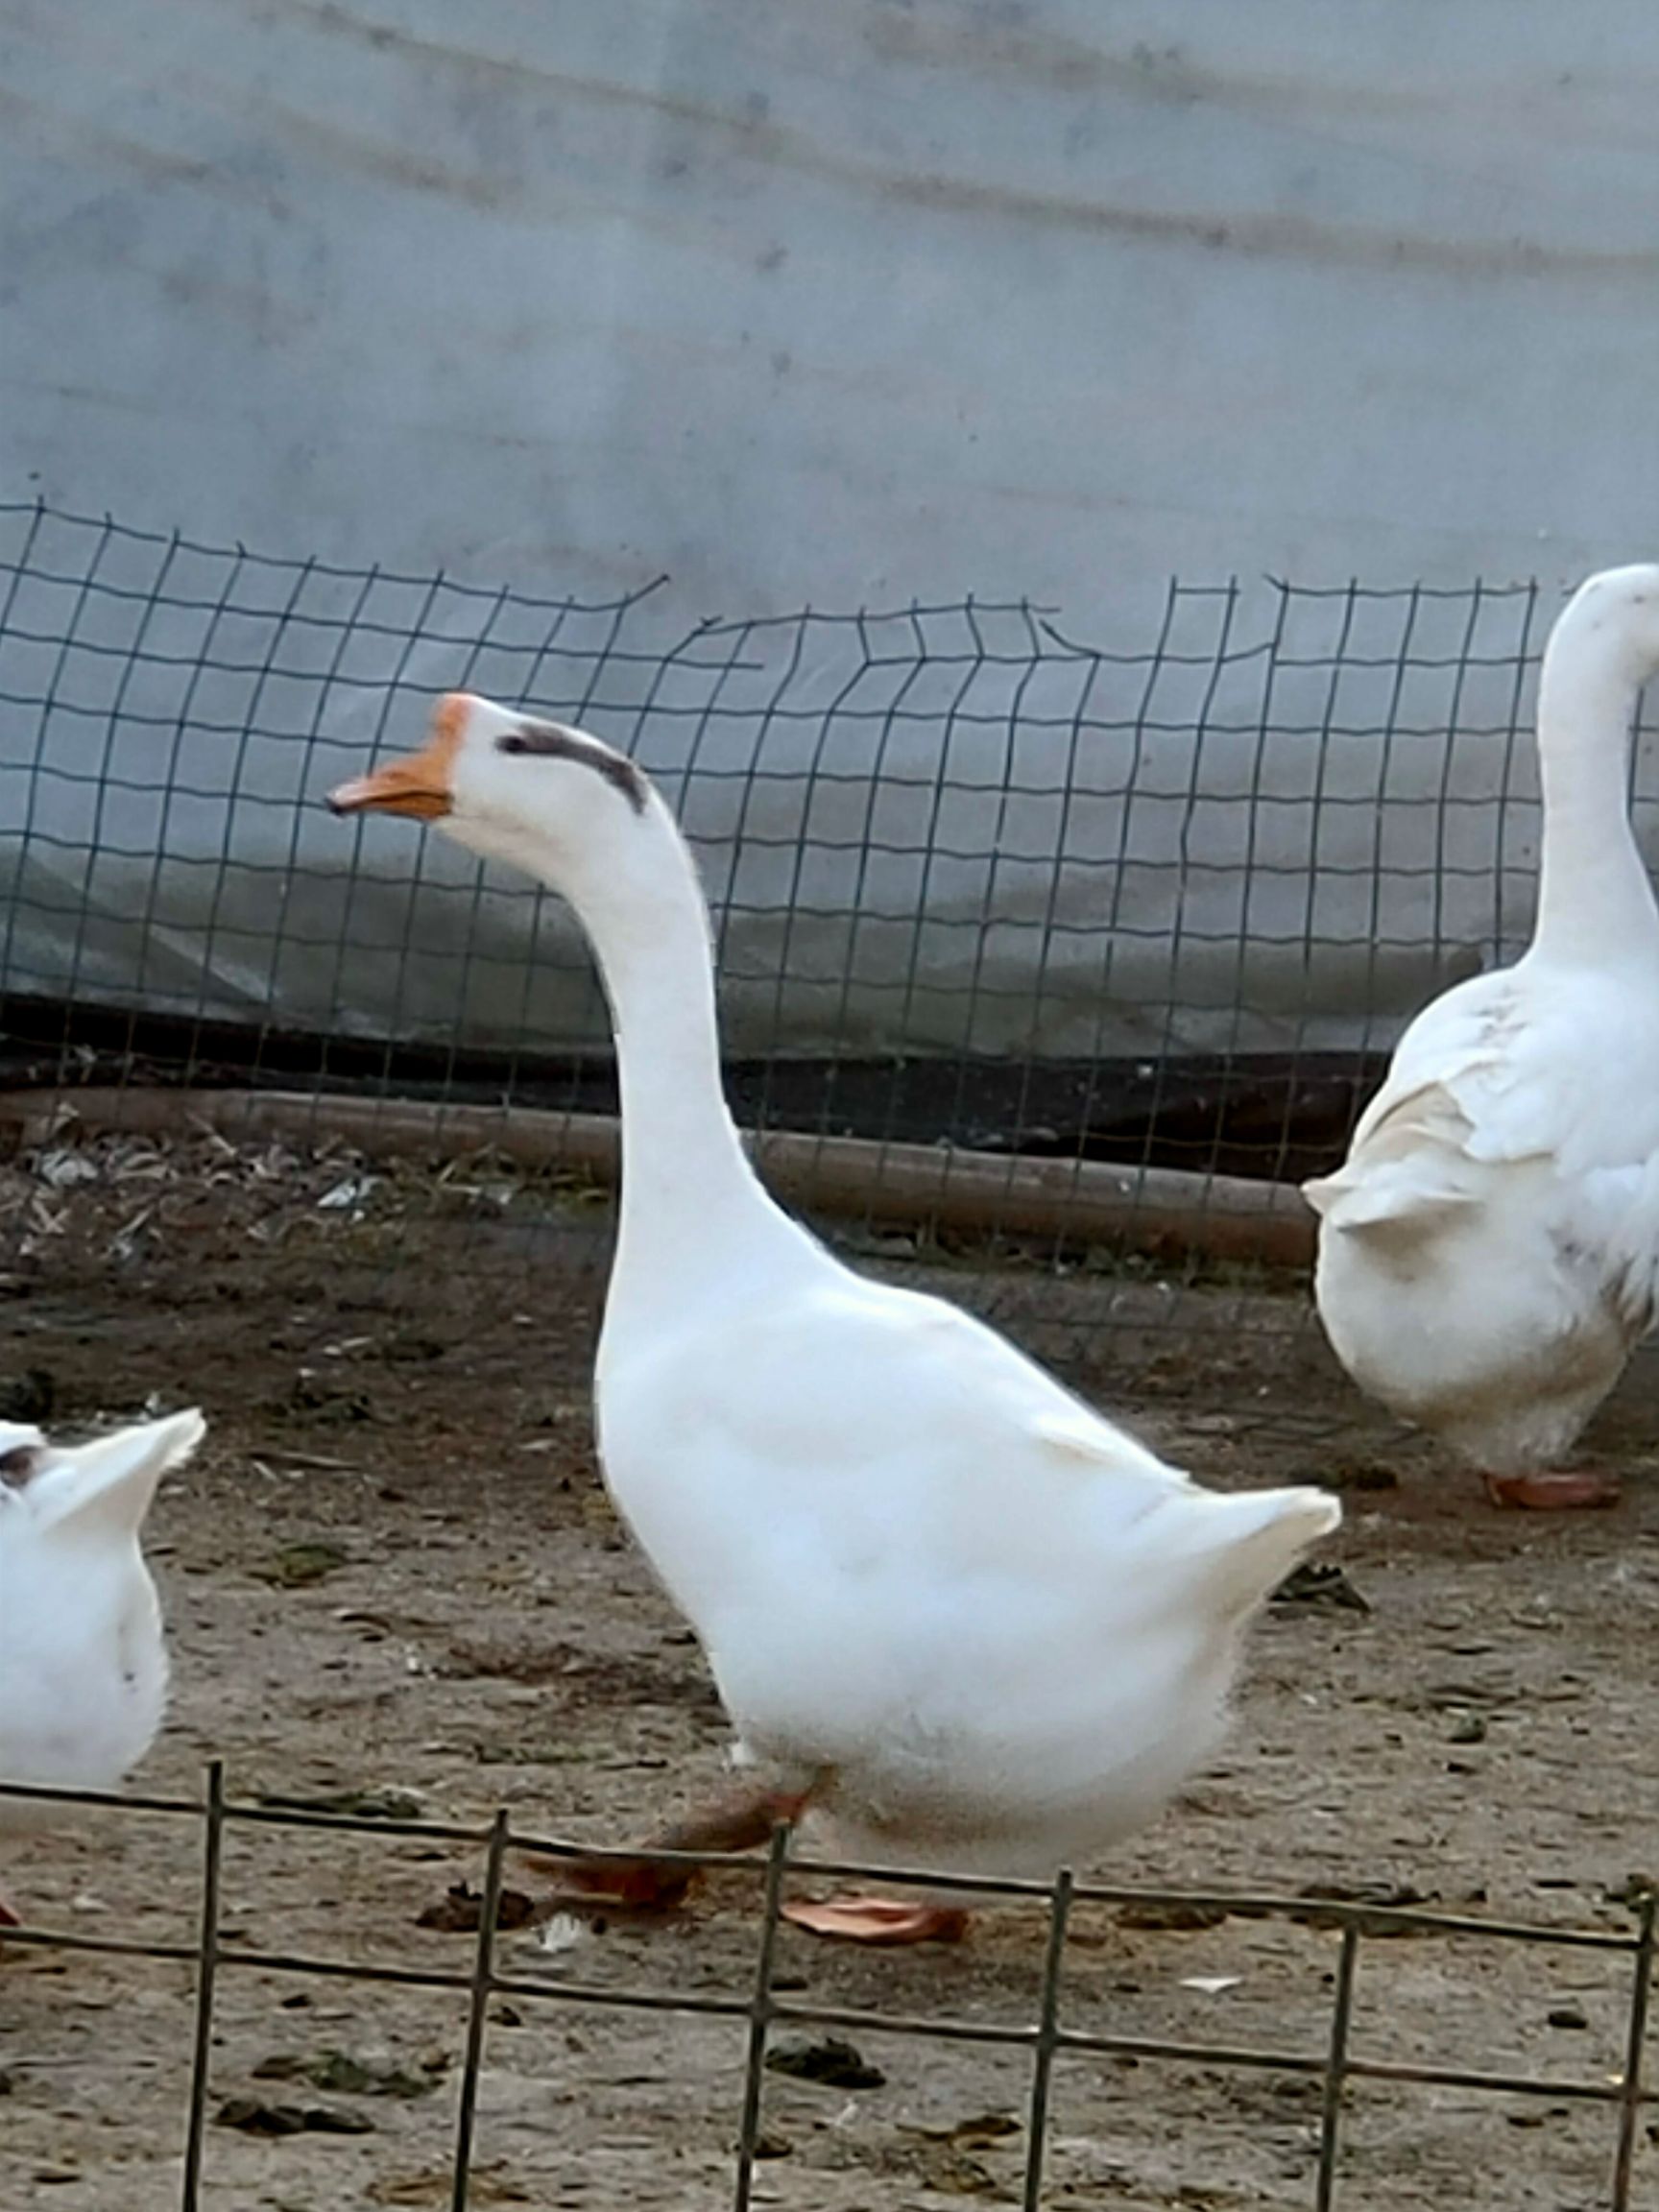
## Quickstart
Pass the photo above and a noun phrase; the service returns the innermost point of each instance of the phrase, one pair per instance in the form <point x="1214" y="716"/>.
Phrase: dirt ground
<point x="394" y="1570"/>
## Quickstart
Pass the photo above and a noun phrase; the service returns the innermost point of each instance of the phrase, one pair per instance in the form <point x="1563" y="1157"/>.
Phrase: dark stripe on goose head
<point x="553" y="741"/>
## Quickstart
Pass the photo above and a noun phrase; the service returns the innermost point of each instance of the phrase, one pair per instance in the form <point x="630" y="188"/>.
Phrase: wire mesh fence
<point x="1088" y="949"/>
<point x="1070" y="956"/>
<point x="1339" y="2064"/>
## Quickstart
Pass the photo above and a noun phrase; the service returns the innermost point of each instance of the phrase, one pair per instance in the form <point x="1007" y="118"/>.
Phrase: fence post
<point x="483" y="1979"/>
<point x="760" y="2017"/>
<point x="206" y="1976"/>
<point x="1047" y="2039"/>
<point x="1630" y="2095"/>
<point x="1336" y="2068"/>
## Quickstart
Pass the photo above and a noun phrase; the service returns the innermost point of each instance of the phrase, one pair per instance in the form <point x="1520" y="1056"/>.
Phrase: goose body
<point x="1489" y="1250"/>
<point x="83" y="1657"/>
<point x="944" y="1601"/>
<point x="982" y="1627"/>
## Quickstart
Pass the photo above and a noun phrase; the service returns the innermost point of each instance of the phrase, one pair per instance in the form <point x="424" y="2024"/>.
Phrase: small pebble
<point x="1177" y="1914"/>
<point x="834" y="2062"/>
<point x="1320" y="1583"/>
<point x="253" y="2115"/>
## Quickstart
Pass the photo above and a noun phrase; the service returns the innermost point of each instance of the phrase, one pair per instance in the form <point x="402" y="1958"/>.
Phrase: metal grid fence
<point x="1337" y="2067"/>
<point x="1077" y="952"/>
<point x="1071" y="945"/>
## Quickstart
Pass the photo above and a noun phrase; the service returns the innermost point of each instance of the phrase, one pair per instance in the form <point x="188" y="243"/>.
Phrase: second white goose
<point x="1489" y="1251"/>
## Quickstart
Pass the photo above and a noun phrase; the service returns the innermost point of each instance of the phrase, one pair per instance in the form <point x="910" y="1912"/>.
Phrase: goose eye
<point x="18" y="1464"/>
<point x="514" y="741"/>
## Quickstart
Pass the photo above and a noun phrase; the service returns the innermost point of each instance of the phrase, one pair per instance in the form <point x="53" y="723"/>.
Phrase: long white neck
<point x="1594" y="901"/>
<point x="694" y="1209"/>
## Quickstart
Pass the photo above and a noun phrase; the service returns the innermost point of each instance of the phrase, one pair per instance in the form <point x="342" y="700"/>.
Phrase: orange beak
<point x="417" y="785"/>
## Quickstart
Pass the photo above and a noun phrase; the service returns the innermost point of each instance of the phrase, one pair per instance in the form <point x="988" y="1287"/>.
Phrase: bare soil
<point x="393" y="1571"/>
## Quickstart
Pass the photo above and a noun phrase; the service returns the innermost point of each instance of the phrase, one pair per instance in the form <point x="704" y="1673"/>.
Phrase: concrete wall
<point x="806" y="302"/>
<point x="844" y="301"/>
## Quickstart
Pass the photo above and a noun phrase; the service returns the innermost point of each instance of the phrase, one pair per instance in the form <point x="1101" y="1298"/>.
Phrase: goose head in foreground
<point x="83" y="1660"/>
<point x="1489" y="1250"/>
<point x="948" y="1606"/>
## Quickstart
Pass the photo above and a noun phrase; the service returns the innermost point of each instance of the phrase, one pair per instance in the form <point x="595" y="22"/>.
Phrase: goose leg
<point x="737" y="1824"/>
<point x="881" y="1920"/>
<point x="10" y="1916"/>
<point x="1561" y="1492"/>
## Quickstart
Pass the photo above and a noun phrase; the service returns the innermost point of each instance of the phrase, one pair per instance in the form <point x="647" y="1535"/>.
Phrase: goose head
<point x="552" y="799"/>
<point x="1613" y="616"/>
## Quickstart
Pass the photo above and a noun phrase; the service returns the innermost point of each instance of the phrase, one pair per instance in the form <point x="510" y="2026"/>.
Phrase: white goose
<point x="944" y="1602"/>
<point x="1489" y="1252"/>
<point x="83" y="1660"/>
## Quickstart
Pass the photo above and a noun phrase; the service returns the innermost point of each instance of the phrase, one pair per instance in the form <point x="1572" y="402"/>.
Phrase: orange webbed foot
<point x="883" y="1920"/>
<point x="1579" y="1490"/>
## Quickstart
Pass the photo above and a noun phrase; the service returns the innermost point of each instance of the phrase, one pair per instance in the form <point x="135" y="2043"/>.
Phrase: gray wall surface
<point x="805" y="300"/>
<point x="844" y="304"/>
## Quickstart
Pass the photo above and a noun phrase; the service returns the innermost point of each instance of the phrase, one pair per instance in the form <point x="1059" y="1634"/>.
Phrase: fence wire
<point x="1063" y="953"/>
<point x="1088" y="949"/>
<point x="1338" y="2066"/>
